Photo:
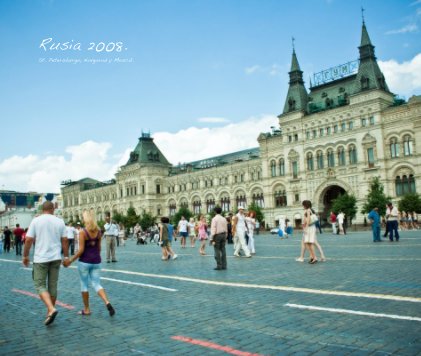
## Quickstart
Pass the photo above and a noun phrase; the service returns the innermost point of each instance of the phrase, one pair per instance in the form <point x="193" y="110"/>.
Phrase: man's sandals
<point x="51" y="317"/>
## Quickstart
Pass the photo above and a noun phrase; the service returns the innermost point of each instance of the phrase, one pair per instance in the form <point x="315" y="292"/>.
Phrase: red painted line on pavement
<point x="24" y="292"/>
<point x="211" y="345"/>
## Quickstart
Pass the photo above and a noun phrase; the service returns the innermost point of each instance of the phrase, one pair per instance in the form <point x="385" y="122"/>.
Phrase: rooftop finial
<point x="293" y="43"/>
<point x="362" y="14"/>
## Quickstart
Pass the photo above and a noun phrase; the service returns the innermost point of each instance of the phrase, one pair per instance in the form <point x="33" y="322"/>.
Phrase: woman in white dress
<point x="251" y="225"/>
<point x="309" y="229"/>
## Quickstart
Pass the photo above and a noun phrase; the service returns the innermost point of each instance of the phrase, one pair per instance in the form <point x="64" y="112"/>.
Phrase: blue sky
<point x="194" y="63"/>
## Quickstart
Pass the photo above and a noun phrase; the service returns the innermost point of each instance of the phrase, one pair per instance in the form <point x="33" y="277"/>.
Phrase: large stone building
<point x="333" y="139"/>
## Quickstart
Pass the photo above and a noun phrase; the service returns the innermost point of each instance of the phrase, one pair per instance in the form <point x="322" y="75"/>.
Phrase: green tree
<point x="119" y="218"/>
<point x="101" y="224"/>
<point x="347" y="204"/>
<point x="410" y="202"/>
<point x="259" y="213"/>
<point x="131" y="218"/>
<point x="376" y="198"/>
<point x="146" y="220"/>
<point x="183" y="211"/>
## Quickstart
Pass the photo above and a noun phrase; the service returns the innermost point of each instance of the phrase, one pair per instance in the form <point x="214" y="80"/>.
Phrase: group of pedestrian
<point x="50" y="235"/>
<point x="392" y="223"/>
<point x="10" y="240"/>
<point x="338" y="223"/>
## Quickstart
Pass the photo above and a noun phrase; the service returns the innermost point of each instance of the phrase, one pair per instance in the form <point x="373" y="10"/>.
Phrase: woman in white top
<point x="251" y="225"/>
<point x="122" y="234"/>
<point x="309" y="230"/>
<point x="192" y="231"/>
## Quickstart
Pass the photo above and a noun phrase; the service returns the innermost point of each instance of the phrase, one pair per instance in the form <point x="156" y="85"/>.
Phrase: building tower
<point x="297" y="96"/>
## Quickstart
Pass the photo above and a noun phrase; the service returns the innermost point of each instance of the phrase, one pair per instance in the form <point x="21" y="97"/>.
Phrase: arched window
<point x="407" y="145"/>
<point x="281" y="167"/>
<point x="310" y="162"/>
<point x="210" y="205"/>
<point x="405" y="185"/>
<point x="225" y="203"/>
<point x="273" y="168"/>
<point x="394" y="148"/>
<point x="398" y="186"/>
<point x="280" y="198"/>
<point x="352" y="155"/>
<point x="341" y="156"/>
<point x="172" y="209"/>
<point x="241" y="200"/>
<point x="196" y="207"/>
<point x="330" y="158"/>
<point x="320" y="162"/>
<point x="259" y="200"/>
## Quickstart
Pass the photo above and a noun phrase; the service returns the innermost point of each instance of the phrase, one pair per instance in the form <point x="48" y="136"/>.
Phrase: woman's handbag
<point x="313" y="219"/>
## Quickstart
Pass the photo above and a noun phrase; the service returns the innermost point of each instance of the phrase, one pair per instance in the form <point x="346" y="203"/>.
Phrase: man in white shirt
<point x="341" y="223"/>
<point x="183" y="231"/>
<point x="392" y="221"/>
<point x="111" y="234"/>
<point x="49" y="232"/>
<point x="71" y="234"/>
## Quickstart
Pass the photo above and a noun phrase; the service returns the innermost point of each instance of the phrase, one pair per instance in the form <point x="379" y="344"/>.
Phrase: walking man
<point x="7" y="236"/>
<point x="111" y="234"/>
<point x="18" y="232"/>
<point x="71" y="234"/>
<point x="239" y="231"/>
<point x="392" y="221"/>
<point x="341" y="222"/>
<point x="50" y="234"/>
<point x="333" y="222"/>
<point x="219" y="238"/>
<point x="374" y="218"/>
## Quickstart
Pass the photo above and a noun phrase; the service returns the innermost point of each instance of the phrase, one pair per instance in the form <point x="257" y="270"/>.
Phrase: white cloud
<point x="213" y="120"/>
<point x="92" y="159"/>
<point x="252" y="69"/>
<point x="194" y="143"/>
<point x="272" y="70"/>
<point x="406" y="29"/>
<point x="417" y="2"/>
<point x="403" y="78"/>
<point x="44" y="174"/>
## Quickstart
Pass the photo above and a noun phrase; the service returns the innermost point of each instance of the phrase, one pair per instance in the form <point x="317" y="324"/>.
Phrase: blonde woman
<point x="192" y="231"/>
<point x="89" y="264"/>
<point x="203" y="235"/>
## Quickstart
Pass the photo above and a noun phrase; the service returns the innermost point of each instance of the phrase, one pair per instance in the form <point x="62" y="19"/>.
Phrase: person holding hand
<point x="89" y="264"/>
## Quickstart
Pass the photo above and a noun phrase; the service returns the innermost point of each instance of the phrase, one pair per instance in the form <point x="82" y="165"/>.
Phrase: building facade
<point x="335" y="138"/>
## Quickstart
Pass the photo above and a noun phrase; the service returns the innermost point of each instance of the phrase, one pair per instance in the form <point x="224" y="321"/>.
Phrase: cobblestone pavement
<point x="366" y="299"/>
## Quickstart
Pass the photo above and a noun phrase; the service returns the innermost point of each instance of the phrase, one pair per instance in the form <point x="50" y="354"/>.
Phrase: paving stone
<point x="248" y="319"/>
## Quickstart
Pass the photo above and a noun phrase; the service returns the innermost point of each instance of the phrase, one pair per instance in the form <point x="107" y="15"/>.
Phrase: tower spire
<point x="369" y="74"/>
<point x="297" y="96"/>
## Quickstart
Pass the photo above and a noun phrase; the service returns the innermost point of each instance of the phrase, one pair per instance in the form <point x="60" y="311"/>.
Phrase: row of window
<point x="237" y="178"/>
<point x="224" y="203"/>
<point x="326" y="131"/>
<point x="395" y="146"/>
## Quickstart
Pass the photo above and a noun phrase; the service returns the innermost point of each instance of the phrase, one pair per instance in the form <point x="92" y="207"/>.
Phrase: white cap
<point x="240" y="207"/>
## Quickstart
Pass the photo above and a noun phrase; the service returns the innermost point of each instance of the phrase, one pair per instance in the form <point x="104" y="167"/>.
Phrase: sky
<point x="81" y="79"/>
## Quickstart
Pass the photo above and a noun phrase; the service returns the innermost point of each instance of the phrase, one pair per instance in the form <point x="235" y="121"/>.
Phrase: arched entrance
<point x="329" y="195"/>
